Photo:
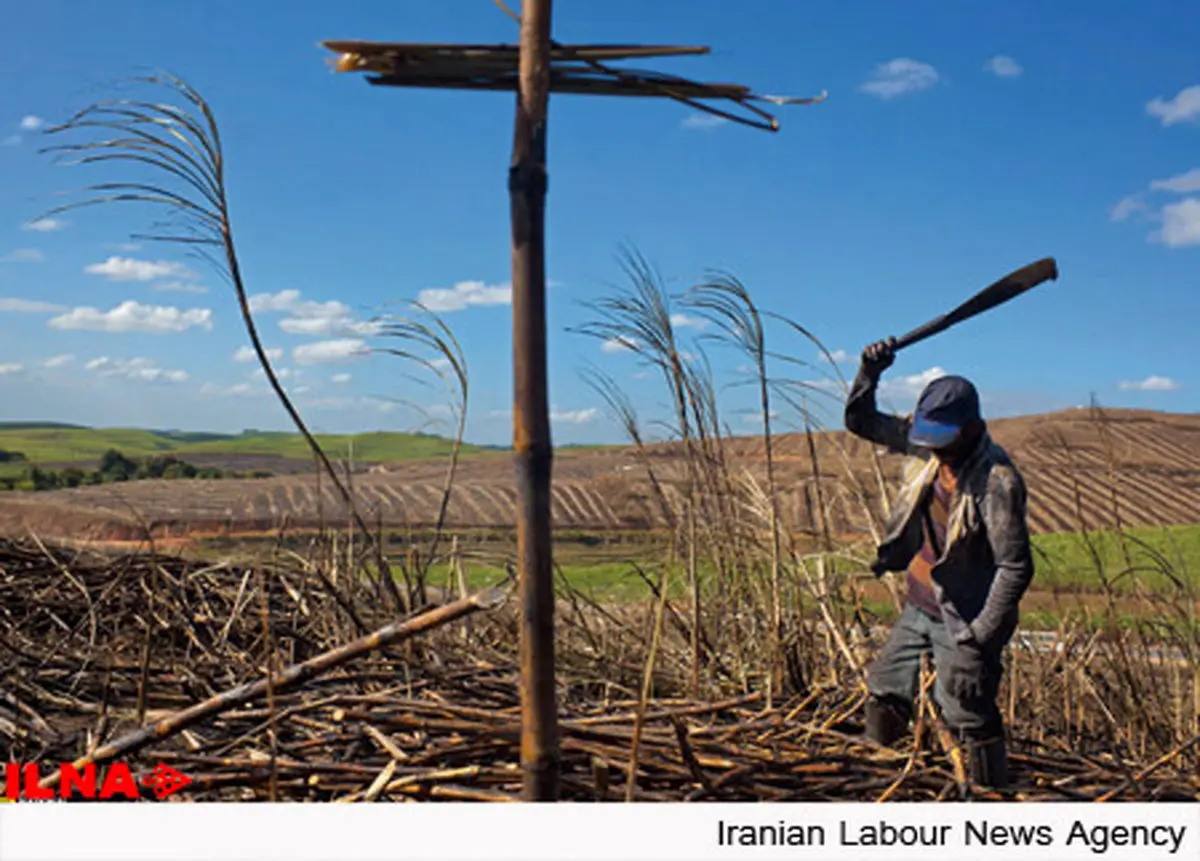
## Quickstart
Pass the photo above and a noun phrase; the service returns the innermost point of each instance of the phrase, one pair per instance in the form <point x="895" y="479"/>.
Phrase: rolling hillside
<point x="56" y="444"/>
<point x="1072" y="464"/>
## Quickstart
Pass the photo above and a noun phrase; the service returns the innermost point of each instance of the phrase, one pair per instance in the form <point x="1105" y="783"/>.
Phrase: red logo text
<point x="23" y="781"/>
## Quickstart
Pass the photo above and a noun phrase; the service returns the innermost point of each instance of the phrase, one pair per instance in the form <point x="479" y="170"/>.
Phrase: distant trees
<point x="112" y="467"/>
<point x="115" y="466"/>
<point x="73" y="476"/>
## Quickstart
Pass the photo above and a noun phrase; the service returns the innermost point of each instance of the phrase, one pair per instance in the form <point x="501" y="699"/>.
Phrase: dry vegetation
<point x="264" y="680"/>
<point x="144" y="660"/>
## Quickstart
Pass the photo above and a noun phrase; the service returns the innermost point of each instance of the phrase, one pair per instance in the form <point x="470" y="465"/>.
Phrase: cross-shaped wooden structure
<point x="533" y="69"/>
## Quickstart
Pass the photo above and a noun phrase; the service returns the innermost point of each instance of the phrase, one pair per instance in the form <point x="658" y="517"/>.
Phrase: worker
<point x="958" y="529"/>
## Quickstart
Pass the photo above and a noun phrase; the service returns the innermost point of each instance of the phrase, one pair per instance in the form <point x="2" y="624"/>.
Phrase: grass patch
<point x="374" y="446"/>
<point x="53" y="444"/>
<point x="602" y="565"/>
<point x="605" y="582"/>
<point x="1161" y="558"/>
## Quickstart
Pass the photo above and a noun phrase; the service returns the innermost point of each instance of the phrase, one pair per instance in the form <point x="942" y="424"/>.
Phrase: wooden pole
<point x="531" y="409"/>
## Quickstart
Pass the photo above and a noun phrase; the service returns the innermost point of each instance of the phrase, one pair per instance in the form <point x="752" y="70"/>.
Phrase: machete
<point x="1008" y="287"/>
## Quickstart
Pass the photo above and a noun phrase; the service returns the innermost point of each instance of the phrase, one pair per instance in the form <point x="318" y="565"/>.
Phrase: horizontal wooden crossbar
<point x="500" y="54"/>
<point x="576" y="69"/>
<point x="639" y="84"/>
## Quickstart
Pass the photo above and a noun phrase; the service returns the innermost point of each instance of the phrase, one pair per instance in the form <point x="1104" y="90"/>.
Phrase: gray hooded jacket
<point x="986" y="565"/>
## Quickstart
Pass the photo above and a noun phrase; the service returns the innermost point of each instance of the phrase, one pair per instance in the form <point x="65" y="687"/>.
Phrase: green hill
<point x="57" y="443"/>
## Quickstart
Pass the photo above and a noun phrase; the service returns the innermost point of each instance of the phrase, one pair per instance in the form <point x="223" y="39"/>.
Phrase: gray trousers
<point x="896" y="672"/>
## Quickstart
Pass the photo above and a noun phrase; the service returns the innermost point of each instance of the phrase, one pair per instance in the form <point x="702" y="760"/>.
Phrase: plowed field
<point x="1071" y="463"/>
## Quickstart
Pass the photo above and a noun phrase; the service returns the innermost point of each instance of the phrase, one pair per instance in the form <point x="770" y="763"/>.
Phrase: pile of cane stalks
<point x="282" y="682"/>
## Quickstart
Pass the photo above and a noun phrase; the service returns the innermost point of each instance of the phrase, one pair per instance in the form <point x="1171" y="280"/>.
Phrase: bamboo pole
<point x="531" y="409"/>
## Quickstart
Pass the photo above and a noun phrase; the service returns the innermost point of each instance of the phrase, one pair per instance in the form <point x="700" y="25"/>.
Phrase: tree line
<point x="113" y="466"/>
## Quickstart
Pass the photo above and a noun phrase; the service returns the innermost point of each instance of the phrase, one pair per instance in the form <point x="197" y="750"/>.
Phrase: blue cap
<point x="947" y="405"/>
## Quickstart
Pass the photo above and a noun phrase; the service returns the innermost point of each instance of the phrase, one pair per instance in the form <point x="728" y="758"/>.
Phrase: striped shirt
<point x="918" y="579"/>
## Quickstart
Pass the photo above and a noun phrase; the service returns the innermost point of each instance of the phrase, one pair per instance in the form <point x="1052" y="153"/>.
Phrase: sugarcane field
<point x="658" y="502"/>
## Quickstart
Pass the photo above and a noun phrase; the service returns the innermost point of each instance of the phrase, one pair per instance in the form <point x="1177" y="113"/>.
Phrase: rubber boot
<point x="886" y="719"/>
<point x="987" y="758"/>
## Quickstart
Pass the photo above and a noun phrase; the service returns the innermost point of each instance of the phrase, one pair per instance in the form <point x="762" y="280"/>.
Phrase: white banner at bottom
<point x="597" y="832"/>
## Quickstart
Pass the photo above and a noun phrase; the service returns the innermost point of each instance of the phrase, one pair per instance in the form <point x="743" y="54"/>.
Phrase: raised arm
<point x="863" y="417"/>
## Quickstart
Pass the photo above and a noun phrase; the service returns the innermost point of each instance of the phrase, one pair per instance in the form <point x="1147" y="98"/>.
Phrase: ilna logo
<point x="22" y="781"/>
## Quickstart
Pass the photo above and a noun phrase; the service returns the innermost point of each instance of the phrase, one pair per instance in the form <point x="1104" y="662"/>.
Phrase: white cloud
<point x="131" y="269"/>
<point x="284" y="300"/>
<point x="379" y="404"/>
<point x="839" y="356"/>
<point x="1003" y="67"/>
<point x="280" y="373"/>
<point x="618" y="345"/>
<point x="1181" y="223"/>
<point x="29" y="306"/>
<point x="683" y="321"/>
<point x="315" y="319"/>
<point x="236" y="390"/>
<point x="31" y="123"/>
<point x="246" y="354"/>
<point x="1184" y="183"/>
<point x="1184" y="107"/>
<point x="910" y="387"/>
<point x="25" y="255"/>
<point x="11" y="368"/>
<point x="900" y="76"/>
<point x="289" y="302"/>
<point x="318" y="327"/>
<point x="703" y="121"/>
<point x="464" y="294"/>
<point x="755" y="417"/>
<point x="58" y="361"/>
<point x="574" y="417"/>
<point x="1126" y="207"/>
<point x="178" y="287"/>
<point x="329" y="352"/>
<point x="1150" y="384"/>
<point x="45" y="225"/>
<point x="340" y="378"/>
<point x="141" y="370"/>
<point x="133" y="316"/>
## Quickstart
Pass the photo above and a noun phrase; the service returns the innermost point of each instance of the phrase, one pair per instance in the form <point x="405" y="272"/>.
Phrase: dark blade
<point x="1008" y="287"/>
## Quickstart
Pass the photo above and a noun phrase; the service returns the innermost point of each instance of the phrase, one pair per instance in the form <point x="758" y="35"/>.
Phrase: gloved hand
<point x="878" y="357"/>
<point x="965" y="674"/>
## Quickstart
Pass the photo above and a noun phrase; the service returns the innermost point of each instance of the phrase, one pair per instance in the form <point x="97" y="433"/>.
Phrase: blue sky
<point x="959" y="141"/>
